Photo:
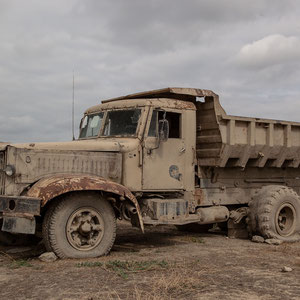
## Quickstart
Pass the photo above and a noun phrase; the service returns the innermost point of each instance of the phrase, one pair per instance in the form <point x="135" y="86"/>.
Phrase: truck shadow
<point x="131" y="239"/>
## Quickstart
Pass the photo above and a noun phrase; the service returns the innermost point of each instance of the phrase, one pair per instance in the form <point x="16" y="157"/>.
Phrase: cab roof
<point x="187" y="94"/>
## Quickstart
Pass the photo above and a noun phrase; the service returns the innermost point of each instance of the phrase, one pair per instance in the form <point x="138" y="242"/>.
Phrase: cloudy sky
<point x="246" y="51"/>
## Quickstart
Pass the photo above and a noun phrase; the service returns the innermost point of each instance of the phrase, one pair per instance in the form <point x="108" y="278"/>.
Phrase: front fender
<point x="51" y="187"/>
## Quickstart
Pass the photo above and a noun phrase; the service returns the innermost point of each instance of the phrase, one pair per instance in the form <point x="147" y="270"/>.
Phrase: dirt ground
<point x="163" y="263"/>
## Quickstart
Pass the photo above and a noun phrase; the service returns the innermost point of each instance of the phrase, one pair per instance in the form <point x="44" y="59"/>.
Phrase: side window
<point x="174" y="120"/>
<point x="153" y="129"/>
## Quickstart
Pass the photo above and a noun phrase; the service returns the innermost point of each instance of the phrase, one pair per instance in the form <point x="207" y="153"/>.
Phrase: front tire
<point x="81" y="225"/>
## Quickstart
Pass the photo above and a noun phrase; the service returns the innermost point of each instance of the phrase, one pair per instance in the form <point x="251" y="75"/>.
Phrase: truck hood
<point x="97" y="145"/>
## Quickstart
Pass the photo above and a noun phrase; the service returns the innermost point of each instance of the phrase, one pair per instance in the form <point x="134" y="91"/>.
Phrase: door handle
<point x="182" y="150"/>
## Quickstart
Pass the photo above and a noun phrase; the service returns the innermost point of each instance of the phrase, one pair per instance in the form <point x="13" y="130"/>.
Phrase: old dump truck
<point x="169" y="156"/>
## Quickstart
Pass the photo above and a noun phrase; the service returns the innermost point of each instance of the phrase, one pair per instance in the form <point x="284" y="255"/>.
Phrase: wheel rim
<point x="85" y="228"/>
<point x="286" y="219"/>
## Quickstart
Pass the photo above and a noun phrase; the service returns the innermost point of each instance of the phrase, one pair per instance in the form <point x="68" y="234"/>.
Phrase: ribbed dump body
<point x="230" y="141"/>
<point x="209" y="140"/>
<point x="2" y="174"/>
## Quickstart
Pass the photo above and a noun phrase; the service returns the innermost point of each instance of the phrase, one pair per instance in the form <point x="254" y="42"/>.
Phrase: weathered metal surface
<point x="213" y="214"/>
<point x="167" y="209"/>
<point x="18" y="224"/>
<point x="199" y="196"/>
<point x="230" y="141"/>
<point x="3" y="146"/>
<point x="2" y="174"/>
<point x="49" y="188"/>
<point x="88" y="145"/>
<point x="171" y="92"/>
<point x="159" y="161"/>
<point x="155" y="102"/>
<point x="20" y="204"/>
<point x="35" y="164"/>
<point x="238" y="214"/>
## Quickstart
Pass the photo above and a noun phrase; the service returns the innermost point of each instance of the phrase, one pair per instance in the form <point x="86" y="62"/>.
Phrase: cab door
<point x="163" y="161"/>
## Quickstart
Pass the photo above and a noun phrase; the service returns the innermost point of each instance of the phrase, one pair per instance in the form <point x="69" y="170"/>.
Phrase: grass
<point x="177" y="280"/>
<point x="192" y="239"/>
<point x="123" y="268"/>
<point x="89" y="264"/>
<point x="197" y="240"/>
<point x="175" y="283"/>
<point x="16" y="264"/>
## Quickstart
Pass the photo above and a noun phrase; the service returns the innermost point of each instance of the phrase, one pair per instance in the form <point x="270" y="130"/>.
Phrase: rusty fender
<point x="51" y="187"/>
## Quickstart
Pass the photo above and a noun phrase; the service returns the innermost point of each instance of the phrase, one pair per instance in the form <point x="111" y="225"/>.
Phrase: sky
<point x="248" y="52"/>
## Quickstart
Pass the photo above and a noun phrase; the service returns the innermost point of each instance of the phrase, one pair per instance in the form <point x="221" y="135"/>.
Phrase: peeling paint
<point x="199" y="196"/>
<point x="174" y="172"/>
<point x="49" y="188"/>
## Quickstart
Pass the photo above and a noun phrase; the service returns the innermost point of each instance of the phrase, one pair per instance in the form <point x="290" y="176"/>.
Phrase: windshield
<point x="91" y="125"/>
<point x="121" y="122"/>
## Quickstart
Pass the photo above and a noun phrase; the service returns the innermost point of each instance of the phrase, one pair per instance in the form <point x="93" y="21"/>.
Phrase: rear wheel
<point x="81" y="225"/>
<point x="276" y="213"/>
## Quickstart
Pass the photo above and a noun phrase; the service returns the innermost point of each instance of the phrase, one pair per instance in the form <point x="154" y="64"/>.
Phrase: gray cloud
<point x="269" y="51"/>
<point x="245" y="51"/>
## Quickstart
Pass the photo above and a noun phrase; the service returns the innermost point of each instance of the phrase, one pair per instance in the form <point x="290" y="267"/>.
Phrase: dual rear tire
<point x="275" y="213"/>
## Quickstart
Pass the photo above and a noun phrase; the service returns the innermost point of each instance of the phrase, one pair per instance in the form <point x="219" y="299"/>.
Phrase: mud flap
<point x="19" y="225"/>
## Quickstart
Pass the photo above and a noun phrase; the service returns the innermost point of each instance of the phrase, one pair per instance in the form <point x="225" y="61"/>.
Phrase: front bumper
<point x="18" y="213"/>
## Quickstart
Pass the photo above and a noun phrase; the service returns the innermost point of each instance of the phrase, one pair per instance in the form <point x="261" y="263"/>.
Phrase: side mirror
<point x="163" y="130"/>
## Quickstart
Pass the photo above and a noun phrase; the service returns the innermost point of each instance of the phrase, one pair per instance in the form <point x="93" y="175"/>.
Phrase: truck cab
<point x="155" y="138"/>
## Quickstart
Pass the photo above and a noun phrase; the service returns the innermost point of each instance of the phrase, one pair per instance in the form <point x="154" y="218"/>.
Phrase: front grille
<point x="2" y="174"/>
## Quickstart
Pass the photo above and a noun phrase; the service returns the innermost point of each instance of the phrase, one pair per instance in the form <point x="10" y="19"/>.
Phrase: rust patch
<point x="48" y="188"/>
<point x="199" y="196"/>
<point x="18" y="215"/>
<point x="185" y="105"/>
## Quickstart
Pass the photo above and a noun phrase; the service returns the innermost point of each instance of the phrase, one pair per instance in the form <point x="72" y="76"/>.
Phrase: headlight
<point x="10" y="170"/>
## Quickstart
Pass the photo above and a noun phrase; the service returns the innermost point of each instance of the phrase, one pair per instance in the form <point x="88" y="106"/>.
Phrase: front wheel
<point x="81" y="225"/>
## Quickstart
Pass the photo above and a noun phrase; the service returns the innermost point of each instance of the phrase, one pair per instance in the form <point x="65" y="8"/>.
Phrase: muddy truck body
<point x="169" y="156"/>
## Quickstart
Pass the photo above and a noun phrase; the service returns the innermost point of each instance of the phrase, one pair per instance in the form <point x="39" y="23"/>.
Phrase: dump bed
<point x="230" y="141"/>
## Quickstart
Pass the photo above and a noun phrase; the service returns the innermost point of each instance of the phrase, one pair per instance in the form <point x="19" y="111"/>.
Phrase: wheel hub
<point x="286" y="219"/>
<point x="85" y="228"/>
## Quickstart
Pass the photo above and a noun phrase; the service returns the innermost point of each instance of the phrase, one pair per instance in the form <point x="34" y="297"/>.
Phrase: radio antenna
<point x="73" y="104"/>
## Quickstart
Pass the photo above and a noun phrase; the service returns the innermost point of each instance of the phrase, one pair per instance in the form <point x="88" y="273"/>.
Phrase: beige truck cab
<point x="170" y="156"/>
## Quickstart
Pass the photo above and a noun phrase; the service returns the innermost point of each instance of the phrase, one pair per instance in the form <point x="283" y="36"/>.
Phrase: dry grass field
<point x="161" y="264"/>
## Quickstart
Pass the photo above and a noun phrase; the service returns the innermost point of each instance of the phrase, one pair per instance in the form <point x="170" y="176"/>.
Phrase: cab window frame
<point x="100" y="129"/>
<point x="168" y="112"/>
<point x="141" y="108"/>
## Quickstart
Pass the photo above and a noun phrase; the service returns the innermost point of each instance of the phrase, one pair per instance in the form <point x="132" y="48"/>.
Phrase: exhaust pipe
<point x="132" y="209"/>
<point x="128" y="210"/>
